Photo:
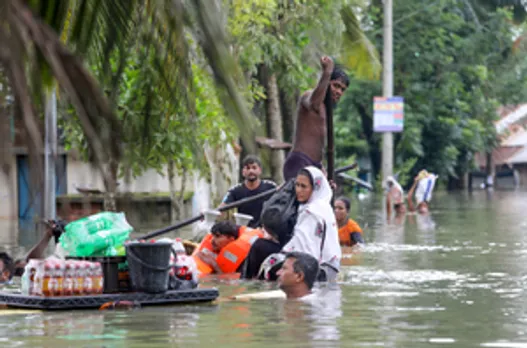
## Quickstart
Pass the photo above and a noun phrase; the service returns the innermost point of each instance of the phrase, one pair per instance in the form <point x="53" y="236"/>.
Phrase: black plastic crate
<point x="17" y="300"/>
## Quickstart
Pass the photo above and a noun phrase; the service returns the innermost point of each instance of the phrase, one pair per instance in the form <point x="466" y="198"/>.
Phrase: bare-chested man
<point x="310" y="134"/>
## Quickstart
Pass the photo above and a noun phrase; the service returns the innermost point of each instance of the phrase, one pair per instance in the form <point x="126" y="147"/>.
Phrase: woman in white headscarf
<point x="316" y="231"/>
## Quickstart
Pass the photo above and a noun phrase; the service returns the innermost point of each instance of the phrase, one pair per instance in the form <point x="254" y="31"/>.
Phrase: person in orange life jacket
<point x="223" y="233"/>
<point x="252" y="185"/>
<point x="297" y="275"/>
<point x="350" y="232"/>
<point x="227" y="249"/>
<point x="265" y="246"/>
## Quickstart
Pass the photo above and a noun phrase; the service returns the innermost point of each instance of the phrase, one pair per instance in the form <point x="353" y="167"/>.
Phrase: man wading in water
<point x="313" y="108"/>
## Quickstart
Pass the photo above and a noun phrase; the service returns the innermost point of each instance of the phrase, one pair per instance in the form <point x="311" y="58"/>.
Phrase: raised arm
<point x="315" y="98"/>
<point x="411" y="194"/>
<point x="37" y="252"/>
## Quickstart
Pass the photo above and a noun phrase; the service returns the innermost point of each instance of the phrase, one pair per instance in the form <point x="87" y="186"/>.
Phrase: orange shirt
<point x="346" y="230"/>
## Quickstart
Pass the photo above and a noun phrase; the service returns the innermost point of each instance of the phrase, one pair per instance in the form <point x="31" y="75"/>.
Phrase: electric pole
<point x="50" y="157"/>
<point x="387" y="86"/>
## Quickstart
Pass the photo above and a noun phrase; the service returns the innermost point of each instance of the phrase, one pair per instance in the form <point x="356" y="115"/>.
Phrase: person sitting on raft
<point x="7" y="268"/>
<point x="350" y="232"/>
<point x="225" y="248"/>
<point x="315" y="231"/>
<point x="297" y="275"/>
<point x="10" y="268"/>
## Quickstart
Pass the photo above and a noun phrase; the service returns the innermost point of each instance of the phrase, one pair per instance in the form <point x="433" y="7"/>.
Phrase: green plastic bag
<point x="101" y="234"/>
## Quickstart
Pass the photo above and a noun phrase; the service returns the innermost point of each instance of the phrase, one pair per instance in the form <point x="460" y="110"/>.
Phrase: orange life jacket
<point x="346" y="230"/>
<point x="206" y="244"/>
<point x="232" y="255"/>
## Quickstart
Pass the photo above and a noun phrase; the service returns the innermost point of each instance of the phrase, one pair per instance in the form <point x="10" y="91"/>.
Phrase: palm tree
<point x="47" y="43"/>
<point x="31" y="51"/>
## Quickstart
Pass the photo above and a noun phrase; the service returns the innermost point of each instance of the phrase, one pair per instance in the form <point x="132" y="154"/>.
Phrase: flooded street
<point x="455" y="280"/>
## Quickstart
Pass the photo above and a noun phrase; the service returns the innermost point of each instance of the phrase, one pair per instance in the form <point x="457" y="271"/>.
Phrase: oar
<point x="330" y="149"/>
<point x="225" y="207"/>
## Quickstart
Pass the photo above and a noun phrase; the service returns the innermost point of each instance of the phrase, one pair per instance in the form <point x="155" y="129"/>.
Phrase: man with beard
<point x="313" y="109"/>
<point x="252" y="185"/>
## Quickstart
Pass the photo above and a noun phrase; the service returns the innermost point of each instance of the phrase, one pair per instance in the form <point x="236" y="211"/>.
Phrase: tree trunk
<point x="288" y="105"/>
<point x="177" y="199"/>
<point x="491" y="171"/>
<point x="172" y="188"/>
<point x="109" y="203"/>
<point x="274" y="125"/>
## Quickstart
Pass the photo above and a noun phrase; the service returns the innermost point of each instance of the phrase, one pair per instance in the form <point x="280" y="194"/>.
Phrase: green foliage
<point x="451" y="72"/>
<point x="160" y="127"/>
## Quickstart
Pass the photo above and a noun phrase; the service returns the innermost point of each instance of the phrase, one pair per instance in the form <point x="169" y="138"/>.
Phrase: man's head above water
<point x="251" y="168"/>
<point x="298" y="274"/>
<point x="223" y="233"/>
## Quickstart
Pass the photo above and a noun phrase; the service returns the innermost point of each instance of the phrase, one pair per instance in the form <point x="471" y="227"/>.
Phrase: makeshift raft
<point x="17" y="300"/>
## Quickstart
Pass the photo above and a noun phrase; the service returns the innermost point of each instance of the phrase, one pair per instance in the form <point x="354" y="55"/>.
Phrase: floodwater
<point x="456" y="280"/>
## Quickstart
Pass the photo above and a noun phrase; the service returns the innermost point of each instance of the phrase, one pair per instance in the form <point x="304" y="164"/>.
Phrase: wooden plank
<point x="272" y="144"/>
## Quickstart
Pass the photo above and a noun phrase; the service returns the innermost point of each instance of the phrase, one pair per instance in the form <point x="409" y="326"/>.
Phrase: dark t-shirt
<point x="253" y="208"/>
<point x="260" y="249"/>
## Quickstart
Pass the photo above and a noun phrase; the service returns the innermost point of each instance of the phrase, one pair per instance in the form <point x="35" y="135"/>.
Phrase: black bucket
<point x="149" y="265"/>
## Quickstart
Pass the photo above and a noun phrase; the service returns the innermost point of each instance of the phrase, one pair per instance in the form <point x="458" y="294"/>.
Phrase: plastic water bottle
<point x="59" y="278"/>
<point x="47" y="278"/>
<point x="78" y="278"/>
<point x="69" y="275"/>
<point x="28" y="278"/>
<point x="98" y="278"/>
<point x="87" y="282"/>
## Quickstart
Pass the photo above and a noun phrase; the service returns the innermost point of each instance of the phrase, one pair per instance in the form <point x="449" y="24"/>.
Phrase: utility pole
<point x="50" y="156"/>
<point x="387" y="86"/>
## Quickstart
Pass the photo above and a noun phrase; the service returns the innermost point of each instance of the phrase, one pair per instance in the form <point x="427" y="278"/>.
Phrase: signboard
<point x="388" y="114"/>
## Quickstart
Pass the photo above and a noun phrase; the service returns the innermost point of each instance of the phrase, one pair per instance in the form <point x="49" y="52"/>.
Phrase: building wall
<point x="8" y="206"/>
<point x="8" y="192"/>
<point x="522" y="171"/>
<point x="84" y="175"/>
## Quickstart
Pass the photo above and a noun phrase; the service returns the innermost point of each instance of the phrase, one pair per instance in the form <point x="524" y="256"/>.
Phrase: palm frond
<point x="225" y="69"/>
<point x="97" y="119"/>
<point x="358" y="52"/>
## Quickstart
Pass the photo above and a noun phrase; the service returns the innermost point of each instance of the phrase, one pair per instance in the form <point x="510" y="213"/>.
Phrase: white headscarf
<point x="399" y="193"/>
<point x="320" y="201"/>
<point x="318" y="205"/>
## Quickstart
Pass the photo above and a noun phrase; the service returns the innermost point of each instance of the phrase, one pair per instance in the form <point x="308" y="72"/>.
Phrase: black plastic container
<point x="110" y="269"/>
<point x="149" y="265"/>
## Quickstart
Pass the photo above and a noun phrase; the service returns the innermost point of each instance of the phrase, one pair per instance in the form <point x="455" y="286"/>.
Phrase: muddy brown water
<point x="455" y="280"/>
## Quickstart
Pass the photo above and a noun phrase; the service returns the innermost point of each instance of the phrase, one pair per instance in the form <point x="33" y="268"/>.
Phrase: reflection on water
<point x="456" y="280"/>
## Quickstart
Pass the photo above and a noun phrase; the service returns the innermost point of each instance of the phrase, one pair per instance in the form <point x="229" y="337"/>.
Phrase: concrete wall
<point x="8" y="192"/>
<point x="522" y="173"/>
<point x="9" y="206"/>
<point x="81" y="174"/>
